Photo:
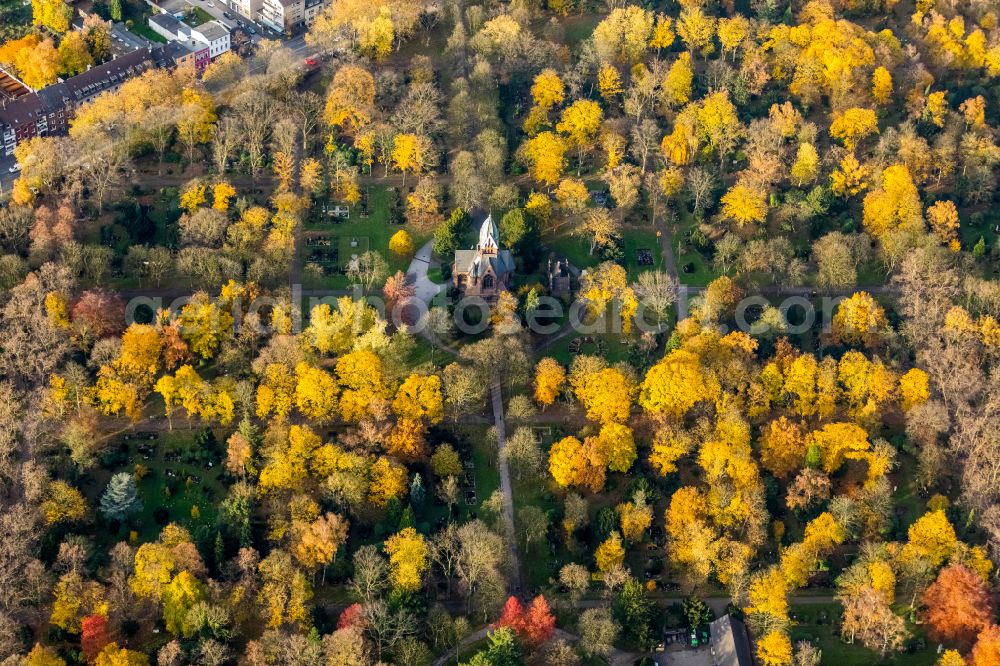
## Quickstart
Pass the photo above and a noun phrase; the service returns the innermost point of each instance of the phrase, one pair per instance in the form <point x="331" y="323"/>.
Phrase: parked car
<point x="15" y="168"/>
<point x="228" y="15"/>
<point x="252" y="30"/>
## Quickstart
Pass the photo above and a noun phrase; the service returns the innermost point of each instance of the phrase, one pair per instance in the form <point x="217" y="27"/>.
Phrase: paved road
<point x="416" y="274"/>
<point x="496" y="395"/>
<point x="6" y="177"/>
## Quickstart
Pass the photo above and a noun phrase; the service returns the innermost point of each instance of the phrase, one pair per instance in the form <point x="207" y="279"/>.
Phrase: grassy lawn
<point x="355" y="236"/>
<point x="472" y="443"/>
<point x="435" y="274"/>
<point x="140" y="28"/>
<point x="701" y="271"/>
<point x="579" y="28"/>
<point x="196" y="16"/>
<point x="611" y="347"/>
<point x="577" y="249"/>
<point x="816" y="623"/>
<point x="15" y="19"/>
<point x="181" y="474"/>
<point x="542" y="560"/>
<point x="699" y="268"/>
<point x="539" y="564"/>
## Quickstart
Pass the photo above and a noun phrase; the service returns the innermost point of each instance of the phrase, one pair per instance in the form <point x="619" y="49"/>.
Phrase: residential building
<point x="313" y="9"/>
<point x="215" y="35"/>
<point x="485" y="270"/>
<point x="169" y="27"/>
<point x="282" y="15"/>
<point x="48" y="111"/>
<point x="204" y="42"/>
<point x="287" y="15"/>
<point x="248" y="8"/>
<point x="187" y="53"/>
<point x="560" y="273"/>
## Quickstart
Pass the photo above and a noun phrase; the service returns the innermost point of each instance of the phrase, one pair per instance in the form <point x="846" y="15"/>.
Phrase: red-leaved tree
<point x="93" y="635"/>
<point x="397" y="290"/>
<point x="352" y="616"/>
<point x="539" y="622"/>
<point x="957" y="605"/>
<point x="99" y="313"/>
<point x="534" y="625"/>
<point x="512" y="615"/>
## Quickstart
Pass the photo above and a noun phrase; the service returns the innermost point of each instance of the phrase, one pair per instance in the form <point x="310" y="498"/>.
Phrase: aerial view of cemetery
<point x="561" y="333"/>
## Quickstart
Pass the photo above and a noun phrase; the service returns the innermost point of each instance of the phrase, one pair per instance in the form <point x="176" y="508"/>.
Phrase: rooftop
<point x="79" y="88"/>
<point x="212" y="30"/>
<point x="168" y="22"/>
<point x="730" y="643"/>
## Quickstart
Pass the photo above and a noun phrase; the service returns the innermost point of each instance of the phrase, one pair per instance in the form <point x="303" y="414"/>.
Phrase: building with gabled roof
<point x="48" y="111"/>
<point x="486" y="269"/>
<point x="730" y="644"/>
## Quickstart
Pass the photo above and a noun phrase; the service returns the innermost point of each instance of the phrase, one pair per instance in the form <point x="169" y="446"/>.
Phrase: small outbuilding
<point x="730" y="643"/>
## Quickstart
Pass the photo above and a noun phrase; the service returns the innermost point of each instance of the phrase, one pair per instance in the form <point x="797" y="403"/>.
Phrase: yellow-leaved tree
<point x="931" y="537"/>
<point x="361" y="379"/>
<point x="580" y="123"/>
<point x="806" y="166"/>
<point x="675" y="384"/>
<point x="549" y="380"/>
<point x="895" y="205"/>
<point x="853" y="125"/>
<point x="407" y="559"/>
<point x="545" y="154"/>
<point x="419" y="397"/>
<point x="744" y="204"/>
<point x="576" y="463"/>
<point x="548" y="89"/>
<point x="607" y="395"/>
<point x="882" y="86"/>
<point x="859" y="320"/>
<point x="388" y="481"/>
<point x="775" y="649"/>
<point x="914" y="389"/>
<point x="350" y="102"/>
<point x="315" y="393"/>
<point x="610" y="553"/>
<point x="617" y="446"/>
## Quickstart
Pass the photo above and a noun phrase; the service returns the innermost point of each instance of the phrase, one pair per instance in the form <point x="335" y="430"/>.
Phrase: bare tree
<point x="308" y="108"/>
<point x="224" y="142"/>
<point x="644" y="141"/>
<point x="700" y="184"/>
<point x="371" y="574"/>
<point x="254" y="113"/>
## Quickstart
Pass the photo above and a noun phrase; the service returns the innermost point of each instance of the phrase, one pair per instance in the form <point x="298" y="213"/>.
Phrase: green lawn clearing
<point x="353" y="236"/>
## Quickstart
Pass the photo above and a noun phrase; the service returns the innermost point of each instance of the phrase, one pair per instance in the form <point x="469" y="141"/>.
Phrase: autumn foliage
<point x="957" y="605"/>
<point x="534" y="625"/>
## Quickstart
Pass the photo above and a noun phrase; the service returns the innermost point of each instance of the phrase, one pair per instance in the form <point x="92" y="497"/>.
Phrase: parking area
<point x="685" y="656"/>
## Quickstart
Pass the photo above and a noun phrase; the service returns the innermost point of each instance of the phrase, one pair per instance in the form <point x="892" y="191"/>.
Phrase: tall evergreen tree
<point x="120" y="498"/>
<point x="417" y="492"/>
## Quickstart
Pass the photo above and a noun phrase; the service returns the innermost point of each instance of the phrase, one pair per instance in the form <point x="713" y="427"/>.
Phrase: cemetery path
<point x="506" y="488"/>
<point x="416" y="274"/>
<point x="616" y="658"/>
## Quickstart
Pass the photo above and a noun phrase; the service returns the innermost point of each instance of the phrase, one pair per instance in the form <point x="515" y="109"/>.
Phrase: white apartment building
<point x="215" y="35"/>
<point x="285" y="15"/>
